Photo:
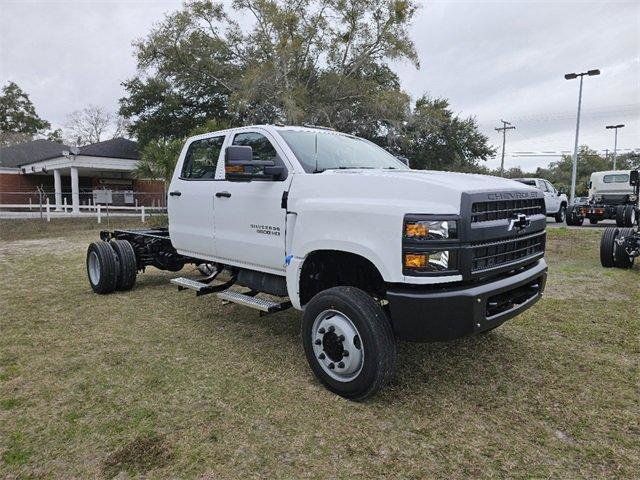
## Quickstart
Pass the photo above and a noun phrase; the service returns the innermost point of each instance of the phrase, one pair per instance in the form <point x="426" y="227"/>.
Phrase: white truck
<point x="611" y="196"/>
<point x="333" y="225"/>
<point x="555" y="201"/>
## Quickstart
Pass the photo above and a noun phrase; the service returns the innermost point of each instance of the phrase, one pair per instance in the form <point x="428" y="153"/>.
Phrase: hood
<point x="413" y="191"/>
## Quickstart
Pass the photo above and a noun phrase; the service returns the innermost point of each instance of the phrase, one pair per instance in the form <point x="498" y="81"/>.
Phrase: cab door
<point x="191" y="198"/>
<point x="249" y="215"/>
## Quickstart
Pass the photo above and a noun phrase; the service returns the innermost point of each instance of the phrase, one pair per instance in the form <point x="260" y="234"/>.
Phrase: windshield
<point x="526" y="181"/>
<point x="320" y="151"/>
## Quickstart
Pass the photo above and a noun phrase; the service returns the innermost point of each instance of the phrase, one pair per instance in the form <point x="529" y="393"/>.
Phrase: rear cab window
<point x="616" y="178"/>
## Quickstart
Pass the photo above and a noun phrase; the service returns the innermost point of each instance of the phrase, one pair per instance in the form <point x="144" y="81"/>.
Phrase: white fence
<point x="48" y="210"/>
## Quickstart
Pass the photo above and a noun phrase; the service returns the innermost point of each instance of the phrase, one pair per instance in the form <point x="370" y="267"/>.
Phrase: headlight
<point x="430" y="229"/>
<point x="427" y="245"/>
<point x="435" y="261"/>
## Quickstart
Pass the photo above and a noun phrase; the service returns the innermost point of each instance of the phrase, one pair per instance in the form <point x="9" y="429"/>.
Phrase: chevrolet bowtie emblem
<point x="519" y="222"/>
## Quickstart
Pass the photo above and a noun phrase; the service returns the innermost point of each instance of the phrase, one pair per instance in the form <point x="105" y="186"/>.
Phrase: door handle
<point x="175" y="193"/>
<point x="223" y="194"/>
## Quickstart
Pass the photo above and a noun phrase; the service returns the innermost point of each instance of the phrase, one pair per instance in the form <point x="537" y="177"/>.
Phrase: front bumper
<point x="424" y="315"/>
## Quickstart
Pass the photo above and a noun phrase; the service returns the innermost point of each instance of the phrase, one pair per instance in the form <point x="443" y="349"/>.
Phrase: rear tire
<point x="127" y="264"/>
<point x="363" y="332"/>
<point x="620" y="211"/>
<point x="607" y="244"/>
<point x="102" y="267"/>
<point x="621" y="259"/>
<point x="562" y="214"/>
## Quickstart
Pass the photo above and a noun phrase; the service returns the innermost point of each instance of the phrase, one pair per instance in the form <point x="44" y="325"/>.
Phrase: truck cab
<point x="369" y="250"/>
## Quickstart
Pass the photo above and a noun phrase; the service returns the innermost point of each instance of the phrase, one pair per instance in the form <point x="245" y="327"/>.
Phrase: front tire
<point x="102" y="267"/>
<point x="349" y="342"/>
<point x="562" y="214"/>
<point x="593" y="221"/>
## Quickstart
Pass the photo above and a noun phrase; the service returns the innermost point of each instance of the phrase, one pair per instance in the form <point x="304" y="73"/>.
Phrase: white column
<point x="75" y="190"/>
<point x="57" y="186"/>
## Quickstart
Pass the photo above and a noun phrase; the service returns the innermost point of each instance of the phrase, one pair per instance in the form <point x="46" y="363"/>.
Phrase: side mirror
<point x="238" y="153"/>
<point x="240" y="165"/>
<point x="634" y="178"/>
<point x="404" y="160"/>
<point x="559" y="192"/>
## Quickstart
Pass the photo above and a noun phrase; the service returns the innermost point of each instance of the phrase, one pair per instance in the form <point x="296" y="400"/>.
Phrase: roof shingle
<point x="34" y="151"/>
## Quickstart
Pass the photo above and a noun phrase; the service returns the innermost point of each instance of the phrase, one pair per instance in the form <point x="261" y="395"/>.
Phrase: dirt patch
<point x="39" y="246"/>
<point x="144" y="453"/>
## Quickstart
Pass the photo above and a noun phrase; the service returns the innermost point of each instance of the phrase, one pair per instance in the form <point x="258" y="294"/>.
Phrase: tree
<point x="55" y="136"/>
<point x="158" y="160"/>
<point x="433" y="137"/>
<point x="88" y="125"/>
<point x="19" y="121"/>
<point x="317" y="61"/>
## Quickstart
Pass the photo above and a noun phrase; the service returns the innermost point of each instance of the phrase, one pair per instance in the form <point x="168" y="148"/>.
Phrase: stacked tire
<point x="626" y="215"/>
<point x="111" y="266"/>
<point x="612" y="254"/>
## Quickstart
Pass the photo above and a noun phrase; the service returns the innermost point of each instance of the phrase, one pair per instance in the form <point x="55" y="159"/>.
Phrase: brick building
<point x="77" y="176"/>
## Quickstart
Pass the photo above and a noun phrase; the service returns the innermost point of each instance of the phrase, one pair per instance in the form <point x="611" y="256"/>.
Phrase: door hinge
<point x="285" y="197"/>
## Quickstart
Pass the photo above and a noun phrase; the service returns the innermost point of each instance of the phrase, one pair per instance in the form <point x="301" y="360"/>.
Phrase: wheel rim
<point x="337" y="345"/>
<point x="94" y="268"/>
<point x="562" y="214"/>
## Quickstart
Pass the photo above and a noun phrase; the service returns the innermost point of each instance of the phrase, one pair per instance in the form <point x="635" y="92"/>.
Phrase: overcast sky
<point x="494" y="60"/>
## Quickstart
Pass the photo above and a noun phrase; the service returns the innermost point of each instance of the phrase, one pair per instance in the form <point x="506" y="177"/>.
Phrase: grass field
<point x="161" y="384"/>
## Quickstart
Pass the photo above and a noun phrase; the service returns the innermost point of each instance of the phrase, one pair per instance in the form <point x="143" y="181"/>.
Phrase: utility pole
<point x="574" y="170"/>
<point x="504" y="129"/>
<point x="615" y="142"/>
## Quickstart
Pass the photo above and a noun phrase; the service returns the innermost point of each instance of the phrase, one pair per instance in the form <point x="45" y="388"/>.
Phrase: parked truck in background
<point x="330" y="224"/>
<point x="555" y="201"/>
<point x="611" y="197"/>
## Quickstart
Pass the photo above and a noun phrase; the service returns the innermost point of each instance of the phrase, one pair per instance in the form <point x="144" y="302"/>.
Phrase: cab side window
<point x="262" y="148"/>
<point x="550" y="187"/>
<point x="542" y="186"/>
<point x="201" y="159"/>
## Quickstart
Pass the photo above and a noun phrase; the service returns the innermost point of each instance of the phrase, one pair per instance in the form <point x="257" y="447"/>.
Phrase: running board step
<point x="266" y="306"/>
<point x="183" y="282"/>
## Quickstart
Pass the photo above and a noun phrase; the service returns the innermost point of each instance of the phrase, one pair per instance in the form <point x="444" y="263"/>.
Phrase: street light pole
<point x="615" y="141"/>
<point x="574" y="169"/>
